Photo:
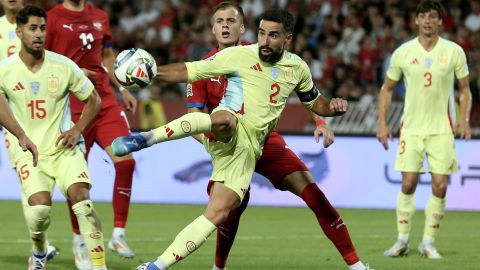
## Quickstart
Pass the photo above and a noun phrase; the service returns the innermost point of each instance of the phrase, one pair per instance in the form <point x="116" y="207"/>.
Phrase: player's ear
<point x="213" y="30"/>
<point x="18" y="31"/>
<point x="289" y="38"/>
<point x="242" y="28"/>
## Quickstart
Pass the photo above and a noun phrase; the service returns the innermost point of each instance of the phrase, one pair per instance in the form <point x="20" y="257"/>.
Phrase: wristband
<point x="320" y="122"/>
<point x="121" y="89"/>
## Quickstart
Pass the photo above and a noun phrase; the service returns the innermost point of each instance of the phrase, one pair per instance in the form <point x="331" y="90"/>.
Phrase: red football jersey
<point x="81" y="36"/>
<point x="207" y="92"/>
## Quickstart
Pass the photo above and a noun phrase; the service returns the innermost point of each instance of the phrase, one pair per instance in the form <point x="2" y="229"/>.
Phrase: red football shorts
<point x="278" y="160"/>
<point x="110" y="123"/>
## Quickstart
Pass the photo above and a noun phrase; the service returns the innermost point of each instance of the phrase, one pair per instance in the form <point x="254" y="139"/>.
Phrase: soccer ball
<point x="135" y="69"/>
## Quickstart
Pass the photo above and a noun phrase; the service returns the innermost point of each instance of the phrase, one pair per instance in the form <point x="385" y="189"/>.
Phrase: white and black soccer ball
<point x="135" y="69"/>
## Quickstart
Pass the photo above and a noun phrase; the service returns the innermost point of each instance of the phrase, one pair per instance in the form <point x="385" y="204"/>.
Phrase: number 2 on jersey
<point x="276" y="89"/>
<point x="428" y="77"/>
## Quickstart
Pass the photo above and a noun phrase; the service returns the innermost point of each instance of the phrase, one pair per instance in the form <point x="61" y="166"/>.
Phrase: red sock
<point x="73" y="219"/>
<point x="331" y="222"/>
<point x="122" y="191"/>
<point x="228" y="230"/>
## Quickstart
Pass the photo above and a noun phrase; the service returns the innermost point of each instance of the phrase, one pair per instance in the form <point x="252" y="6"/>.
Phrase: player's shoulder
<point x="59" y="59"/>
<point x="92" y="9"/>
<point x="449" y="44"/>
<point x="6" y="63"/>
<point x="293" y="60"/>
<point x="406" y="46"/>
<point x="3" y="21"/>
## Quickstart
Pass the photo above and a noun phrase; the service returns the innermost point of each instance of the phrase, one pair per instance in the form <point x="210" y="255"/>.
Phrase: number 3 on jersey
<point x="87" y="40"/>
<point x="428" y="77"/>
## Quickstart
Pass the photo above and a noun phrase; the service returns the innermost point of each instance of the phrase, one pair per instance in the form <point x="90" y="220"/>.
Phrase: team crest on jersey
<point x="288" y="74"/>
<point x="98" y="26"/>
<point x="428" y="62"/>
<point x="52" y="84"/>
<point x="11" y="35"/>
<point x="275" y="73"/>
<point x="35" y="86"/>
<point x="442" y="60"/>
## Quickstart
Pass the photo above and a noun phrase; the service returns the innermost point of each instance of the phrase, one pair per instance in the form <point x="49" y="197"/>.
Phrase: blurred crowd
<point x="347" y="44"/>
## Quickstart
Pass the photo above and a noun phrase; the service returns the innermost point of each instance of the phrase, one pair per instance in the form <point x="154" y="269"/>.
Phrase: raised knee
<point x="223" y="123"/>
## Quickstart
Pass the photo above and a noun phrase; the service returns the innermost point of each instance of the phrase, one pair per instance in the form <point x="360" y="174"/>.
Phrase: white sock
<point x="160" y="264"/>
<point x="357" y="266"/>
<point x="427" y="240"/>
<point x="218" y="268"/>
<point x="77" y="239"/>
<point x="403" y="237"/>
<point x="118" y="232"/>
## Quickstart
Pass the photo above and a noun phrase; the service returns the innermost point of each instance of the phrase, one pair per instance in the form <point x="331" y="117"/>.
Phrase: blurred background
<point x="347" y="45"/>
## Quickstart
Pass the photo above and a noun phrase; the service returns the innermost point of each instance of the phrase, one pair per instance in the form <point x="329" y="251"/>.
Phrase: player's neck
<point x="33" y="61"/>
<point x="428" y="43"/>
<point x="71" y="5"/>
<point x="223" y="46"/>
<point x="11" y="16"/>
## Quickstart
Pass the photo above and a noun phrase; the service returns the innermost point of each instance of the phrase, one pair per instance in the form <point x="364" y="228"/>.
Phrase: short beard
<point x="272" y="58"/>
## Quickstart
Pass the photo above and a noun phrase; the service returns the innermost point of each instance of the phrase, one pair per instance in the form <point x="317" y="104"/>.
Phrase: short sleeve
<point x="78" y="83"/>
<point x="394" y="71"/>
<point x="218" y="64"/>
<point x="461" y="67"/>
<point x="306" y="90"/>
<point x="197" y="94"/>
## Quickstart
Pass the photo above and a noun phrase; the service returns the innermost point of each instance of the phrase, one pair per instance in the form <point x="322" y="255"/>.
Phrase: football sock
<point x="218" y="268"/>
<point x="226" y="233"/>
<point x="405" y="212"/>
<point x="357" y="266"/>
<point x="38" y="221"/>
<point x="77" y="239"/>
<point x="187" y="125"/>
<point x="118" y="232"/>
<point x="90" y="229"/>
<point x="122" y="191"/>
<point x="434" y="213"/>
<point x="330" y="222"/>
<point x="186" y="242"/>
<point x="73" y="220"/>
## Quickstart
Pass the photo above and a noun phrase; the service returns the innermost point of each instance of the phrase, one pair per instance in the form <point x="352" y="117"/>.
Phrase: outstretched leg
<point x="222" y="201"/>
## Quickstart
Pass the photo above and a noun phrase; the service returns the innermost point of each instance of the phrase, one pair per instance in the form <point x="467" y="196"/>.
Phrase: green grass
<point x="269" y="238"/>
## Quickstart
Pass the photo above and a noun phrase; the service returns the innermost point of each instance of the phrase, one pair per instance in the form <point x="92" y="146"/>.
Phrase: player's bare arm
<point x="332" y="107"/>
<point x="8" y="121"/>
<point x="465" y="108"/>
<point x="129" y="101"/>
<point x="172" y="73"/>
<point x="92" y="107"/>
<point x="322" y="129"/>
<point x="384" y="100"/>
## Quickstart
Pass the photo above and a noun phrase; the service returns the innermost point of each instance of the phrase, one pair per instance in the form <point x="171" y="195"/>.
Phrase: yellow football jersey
<point x="257" y="90"/>
<point x="39" y="101"/>
<point x="429" y="78"/>
<point x="9" y="42"/>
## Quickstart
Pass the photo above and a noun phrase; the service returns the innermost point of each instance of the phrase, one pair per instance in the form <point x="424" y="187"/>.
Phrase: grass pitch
<point x="269" y="238"/>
